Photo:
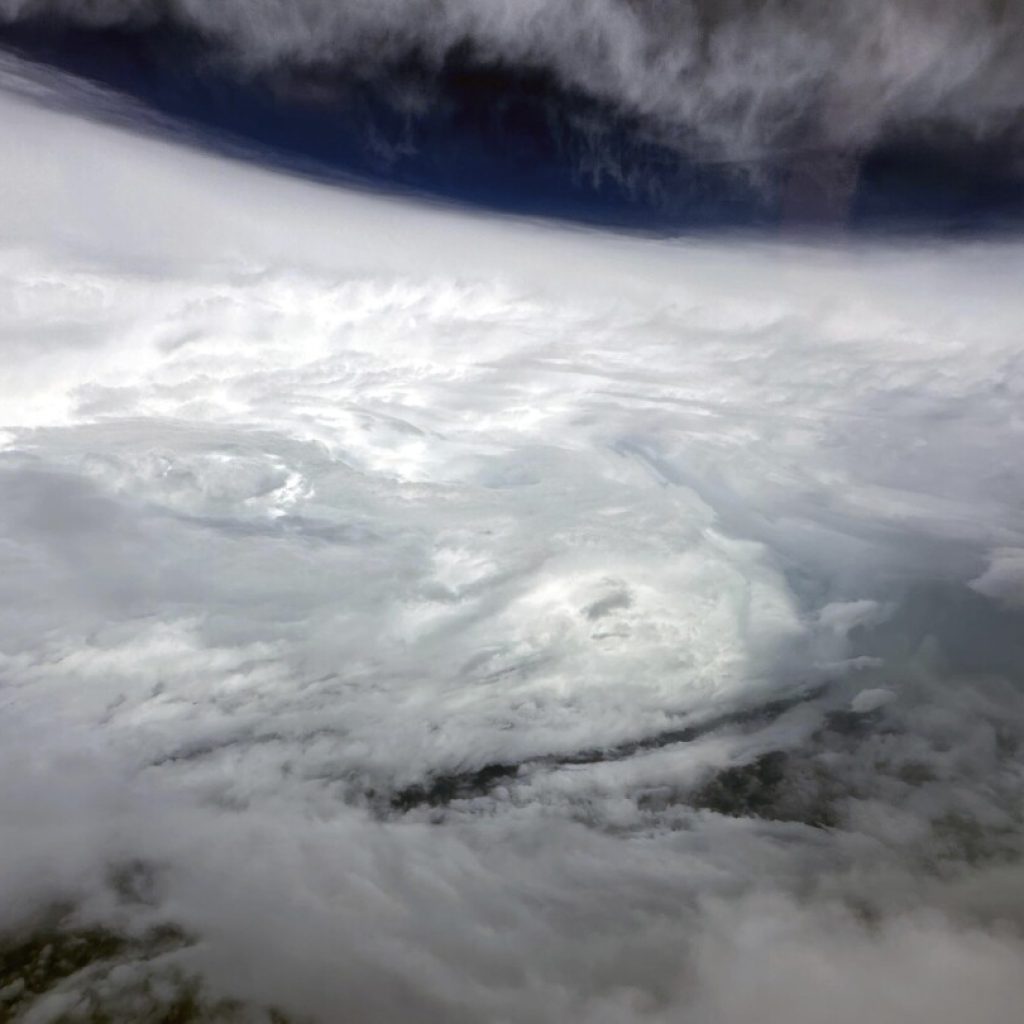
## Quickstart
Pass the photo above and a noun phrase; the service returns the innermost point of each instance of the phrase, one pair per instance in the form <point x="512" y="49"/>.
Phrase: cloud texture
<point x="436" y="618"/>
<point x="736" y="80"/>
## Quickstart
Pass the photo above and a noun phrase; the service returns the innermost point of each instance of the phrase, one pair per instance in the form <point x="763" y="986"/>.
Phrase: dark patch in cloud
<point x="648" y="114"/>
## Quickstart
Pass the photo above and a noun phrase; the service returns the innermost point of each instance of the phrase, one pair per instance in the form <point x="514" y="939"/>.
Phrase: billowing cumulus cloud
<point x="406" y="615"/>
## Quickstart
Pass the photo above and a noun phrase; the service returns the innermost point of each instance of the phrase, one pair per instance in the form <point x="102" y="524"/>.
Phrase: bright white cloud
<point x="309" y="498"/>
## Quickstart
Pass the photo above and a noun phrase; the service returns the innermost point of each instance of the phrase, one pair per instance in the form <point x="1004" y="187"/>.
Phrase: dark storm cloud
<point x="733" y="79"/>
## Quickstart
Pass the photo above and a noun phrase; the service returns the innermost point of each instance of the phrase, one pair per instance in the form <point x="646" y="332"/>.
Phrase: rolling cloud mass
<point x="411" y="613"/>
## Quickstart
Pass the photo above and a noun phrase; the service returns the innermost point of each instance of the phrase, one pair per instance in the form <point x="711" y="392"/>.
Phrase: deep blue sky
<point x="513" y="140"/>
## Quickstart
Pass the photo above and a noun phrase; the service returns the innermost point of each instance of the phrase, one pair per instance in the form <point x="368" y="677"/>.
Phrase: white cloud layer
<point x="310" y="499"/>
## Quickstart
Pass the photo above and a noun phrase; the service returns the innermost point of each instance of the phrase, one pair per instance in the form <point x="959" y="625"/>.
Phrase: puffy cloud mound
<point x="410" y="616"/>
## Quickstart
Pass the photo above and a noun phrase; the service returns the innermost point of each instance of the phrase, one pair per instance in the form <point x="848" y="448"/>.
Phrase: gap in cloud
<point x="485" y="135"/>
<point x="489" y="133"/>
